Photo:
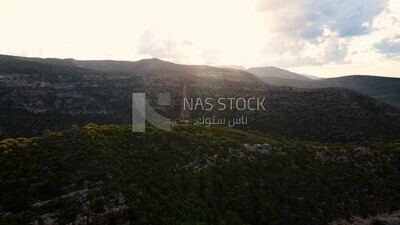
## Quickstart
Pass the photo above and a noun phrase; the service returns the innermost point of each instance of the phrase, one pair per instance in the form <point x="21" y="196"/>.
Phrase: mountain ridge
<point x="271" y="71"/>
<point x="49" y="99"/>
<point x="386" y="89"/>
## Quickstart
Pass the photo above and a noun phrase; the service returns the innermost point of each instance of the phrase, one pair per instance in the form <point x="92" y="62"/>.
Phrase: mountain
<point x="270" y="71"/>
<point x="386" y="89"/>
<point x="369" y="85"/>
<point x="22" y="65"/>
<point x="79" y="92"/>
<point x="192" y="175"/>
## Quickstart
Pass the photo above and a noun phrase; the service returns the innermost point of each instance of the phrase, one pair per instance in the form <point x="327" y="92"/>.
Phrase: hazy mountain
<point x="312" y="76"/>
<point x="271" y="71"/>
<point x="386" y="89"/>
<point x="78" y="92"/>
<point x="236" y="67"/>
<point x="369" y="85"/>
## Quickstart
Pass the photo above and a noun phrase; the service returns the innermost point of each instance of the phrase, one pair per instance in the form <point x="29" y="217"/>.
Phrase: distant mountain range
<point x="386" y="89"/>
<point x="312" y="77"/>
<point x="38" y="94"/>
<point x="274" y="72"/>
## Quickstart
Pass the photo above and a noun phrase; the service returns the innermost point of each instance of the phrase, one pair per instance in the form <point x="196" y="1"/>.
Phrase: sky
<point x="325" y="38"/>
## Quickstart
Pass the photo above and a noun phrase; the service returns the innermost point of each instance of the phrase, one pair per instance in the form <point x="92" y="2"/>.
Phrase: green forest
<point x="193" y="175"/>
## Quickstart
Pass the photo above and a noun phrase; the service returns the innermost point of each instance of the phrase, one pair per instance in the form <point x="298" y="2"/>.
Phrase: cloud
<point x="210" y="56"/>
<point x="389" y="46"/>
<point x="281" y="44"/>
<point x="158" y="46"/>
<point x="307" y="19"/>
<point x="294" y="52"/>
<point x="335" y="50"/>
<point x="317" y="32"/>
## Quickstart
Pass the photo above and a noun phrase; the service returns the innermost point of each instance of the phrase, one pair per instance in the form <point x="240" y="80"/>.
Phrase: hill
<point x="192" y="175"/>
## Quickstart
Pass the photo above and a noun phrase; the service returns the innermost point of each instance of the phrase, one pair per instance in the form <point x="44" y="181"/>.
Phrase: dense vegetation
<point x="192" y="175"/>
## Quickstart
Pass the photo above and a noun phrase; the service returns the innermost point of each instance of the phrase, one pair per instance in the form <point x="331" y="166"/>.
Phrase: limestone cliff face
<point x="38" y="94"/>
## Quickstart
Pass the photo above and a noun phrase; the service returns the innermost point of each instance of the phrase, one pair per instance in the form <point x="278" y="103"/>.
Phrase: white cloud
<point x="389" y="44"/>
<point x="307" y="19"/>
<point x="159" y="46"/>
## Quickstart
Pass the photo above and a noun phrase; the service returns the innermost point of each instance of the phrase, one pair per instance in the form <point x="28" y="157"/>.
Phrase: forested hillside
<point x="192" y="175"/>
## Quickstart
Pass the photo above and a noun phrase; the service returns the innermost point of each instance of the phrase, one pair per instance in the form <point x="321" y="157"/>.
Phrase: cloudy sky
<point x="319" y="37"/>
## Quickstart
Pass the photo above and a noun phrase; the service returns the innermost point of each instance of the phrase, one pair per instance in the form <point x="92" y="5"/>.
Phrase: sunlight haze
<point x="323" y="38"/>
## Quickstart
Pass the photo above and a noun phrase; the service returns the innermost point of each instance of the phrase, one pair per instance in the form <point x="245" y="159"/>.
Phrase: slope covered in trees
<point x="192" y="175"/>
